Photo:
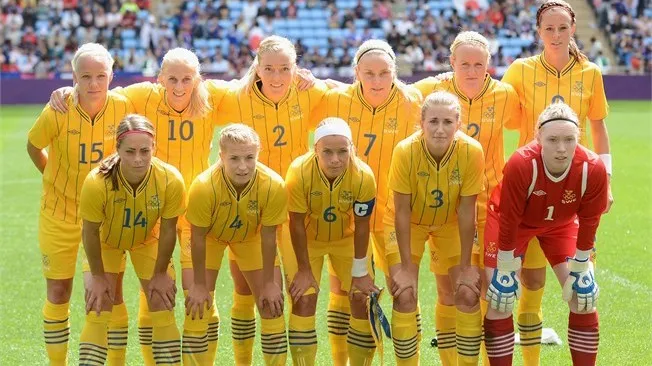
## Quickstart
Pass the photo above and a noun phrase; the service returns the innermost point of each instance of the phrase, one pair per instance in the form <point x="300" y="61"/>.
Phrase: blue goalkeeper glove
<point x="581" y="281"/>
<point x="504" y="288"/>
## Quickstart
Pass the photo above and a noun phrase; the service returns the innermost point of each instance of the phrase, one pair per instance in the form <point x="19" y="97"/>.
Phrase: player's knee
<point x="359" y="305"/>
<point x="306" y="305"/>
<point x="533" y="279"/>
<point x="406" y="302"/>
<point x="466" y="298"/>
<point x="59" y="291"/>
<point x="445" y="296"/>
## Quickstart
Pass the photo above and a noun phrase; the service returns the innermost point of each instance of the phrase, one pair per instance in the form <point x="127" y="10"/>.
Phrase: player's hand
<point x="334" y="84"/>
<point x="99" y="292"/>
<point x="611" y="200"/>
<point x="504" y="288"/>
<point x="162" y="285"/>
<point x="305" y="79"/>
<point x="272" y="297"/>
<point x="405" y="279"/>
<point x="303" y="280"/>
<point x="363" y="284"/>
<point x="444" y="76"/>
<point x="581" y="281"/>
<point x="197" y="297"/>
<point x="470" y="278"/>
<point x="58" y="98"/>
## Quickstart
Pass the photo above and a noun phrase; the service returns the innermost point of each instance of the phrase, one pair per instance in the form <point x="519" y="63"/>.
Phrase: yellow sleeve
<point x="200" y="198"/>
<point x="276" y="211"/>
<point x="137" y="93"/>
<point x="93" y="198"/>
<point x="296" y="198"/>
<point x="513" y="77"/>
<point x="473" y="180"/>
<point x="320" y="111"/>
<point x="217" y="89"/>
<point x="598" y="107"/>
<point x="399" y="170"/>
<point x="45" y="128"/>
<point x="228" y="111"/>
<point x="175" y="195"/>
<point x="513" y="111"/>
<point x="426" y="86"/>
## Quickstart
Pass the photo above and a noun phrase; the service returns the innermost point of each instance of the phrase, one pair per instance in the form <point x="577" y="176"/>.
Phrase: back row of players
<point x="371" y="178"/>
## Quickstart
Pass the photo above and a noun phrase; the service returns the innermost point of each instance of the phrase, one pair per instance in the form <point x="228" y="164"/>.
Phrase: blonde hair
<point x="199" y="100"/>
<point x="574" y="50"/>
<point x="131" y="122"/>
<point x="441" y="98"/>
<point x="239" y="133"/>
<point x="378" y="46"/>
<point x="470" y="38"/>
<point x="353" y="162"/>
<point x="270" y="44"/>
<point x="557" y="110"/>
<point x="96" y="51"/>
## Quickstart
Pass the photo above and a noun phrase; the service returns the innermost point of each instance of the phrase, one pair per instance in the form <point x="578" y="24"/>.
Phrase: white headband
<point x="339" y="129"/>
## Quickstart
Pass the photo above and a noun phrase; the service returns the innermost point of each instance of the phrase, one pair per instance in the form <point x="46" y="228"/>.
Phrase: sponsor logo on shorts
<point x="491" y="249"/>
<point x="539" y="193"/>
<point x="434" y="258"/>
<point x="569" y="196"/>
<point x="46" y="262"/>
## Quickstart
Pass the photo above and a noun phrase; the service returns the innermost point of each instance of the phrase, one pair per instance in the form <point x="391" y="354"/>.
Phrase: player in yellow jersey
<point x="488" y="105"/>
<point x="268" y="101"/>
<point x="238" y="204"/>
<point x="332" y="194"/>
<point x="76" y="142"/>
<point x="130" y="203"/>
<point x="435" y="177"/>
<point x="560" y="73"/>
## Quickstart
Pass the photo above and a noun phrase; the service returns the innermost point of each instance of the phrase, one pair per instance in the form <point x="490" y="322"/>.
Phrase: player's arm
<point x="161" y="283"/>
<point x="466" y="223"/>
<point x="513" y="199"/>
<point x="99" y="292"/>
<point x="593" y="205"/>
<point x="39" y="156"/>
<point x="271" y="295"/>
<point x="303" y="279"/>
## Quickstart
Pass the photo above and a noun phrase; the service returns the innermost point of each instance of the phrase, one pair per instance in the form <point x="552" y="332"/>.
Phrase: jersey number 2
<point x="279" y="140"/>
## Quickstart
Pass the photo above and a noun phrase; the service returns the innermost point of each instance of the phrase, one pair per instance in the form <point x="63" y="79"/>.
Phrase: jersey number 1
<point x="551" y="209"/>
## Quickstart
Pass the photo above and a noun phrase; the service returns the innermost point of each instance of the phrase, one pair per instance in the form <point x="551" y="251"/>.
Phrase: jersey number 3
<point x="439" y="198"/>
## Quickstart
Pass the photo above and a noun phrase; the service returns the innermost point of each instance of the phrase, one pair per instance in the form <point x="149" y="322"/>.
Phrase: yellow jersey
<point x="213" y="203"/>
<point x="329" y="207"/>
<point x="181" y="140"/>
<point x="538" y="84"/>
<point x="483" y="118"/>
<point x="376" y="131"/>
<point x="283" y="127"/>
<point x="76" y="144"/>
<point x="435" y="189"/>
<point x="129" y="216"/>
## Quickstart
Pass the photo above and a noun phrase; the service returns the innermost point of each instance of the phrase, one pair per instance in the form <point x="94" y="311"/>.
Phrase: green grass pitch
<point x="623" y="261"/>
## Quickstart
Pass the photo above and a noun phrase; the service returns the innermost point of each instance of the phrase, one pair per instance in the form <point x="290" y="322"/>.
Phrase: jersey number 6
<point x="329" y="216"/>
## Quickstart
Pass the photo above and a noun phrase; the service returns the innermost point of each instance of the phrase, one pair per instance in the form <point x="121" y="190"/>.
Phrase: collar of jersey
<point x="485" y="87"/>
<point x="172" y="111"/>
<point x="259" y="93"/>
<point x="85" y="115"/>
<point x="390" y="97"/>
<point x="552" y="177"/>
<point x="323" y="176"/>
<point x="551" y="69"/>
<point x="447" y="155"/>
<point x="232" y="190"/>
<point x="128" y="187"/>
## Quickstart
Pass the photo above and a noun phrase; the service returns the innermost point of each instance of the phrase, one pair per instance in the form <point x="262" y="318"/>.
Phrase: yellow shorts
<point x="143" y="258"/>
<point x="183" y="238"/>
<point x="534" y="257"/>
<point x="59" y="243"/>
<point x="247" y="254"/>
<point x="444" y="242"/>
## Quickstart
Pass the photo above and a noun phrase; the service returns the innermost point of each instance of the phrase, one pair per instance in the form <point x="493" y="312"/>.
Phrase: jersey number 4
<point x="138" y="220"/>
<point x="237" y="223"/>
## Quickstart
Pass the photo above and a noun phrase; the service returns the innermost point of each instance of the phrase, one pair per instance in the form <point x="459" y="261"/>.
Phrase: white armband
<point x="582" y="255"/>
<point x="359" y="268"/>
<point x="606" y="159"/>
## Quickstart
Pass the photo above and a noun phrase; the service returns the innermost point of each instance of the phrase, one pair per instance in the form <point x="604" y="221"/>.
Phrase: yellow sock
<point x="419" y="320"/>
<point x="303" y="340"/>
<point x="93" y="341"/>
<point x="484" y="305"/>
<point x="194" y="344"/>
<point x="213" y="331"/>
<point x="274" y="341"/>
<point x="445" y="318"/>
<point x="243" y="328"/>
<point x="166" y="340"/>
<point x="118" y="332"/>
<point x="360" y="343"/>
<point x="56" y="330"/>
<point x="339" y="312"/>
<point x="145" y="331"/>
<point x="404" y="334"/>
<point x="530" y="325"/>
<point x="468" y="337"/>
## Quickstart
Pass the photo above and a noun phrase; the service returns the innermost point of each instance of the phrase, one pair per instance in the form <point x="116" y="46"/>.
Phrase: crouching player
<point x="131" y="203"/>
<point x="555" y="190"/>
<point x="237" y="204"/>
<point x="331" y="198"/>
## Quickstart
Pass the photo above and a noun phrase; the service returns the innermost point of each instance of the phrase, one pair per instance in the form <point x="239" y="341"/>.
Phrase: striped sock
<point x="303" y="340"/>
<point x="583" y="338"/>
<point x="166" y="340"/>
<point x="93" y="341"/>
<point x="145" y="330"/>
<point x="484" y="305"/>
<point x="243" y="328"/>
<point x="274" y="341"/>
<point x="445" y="320"/>
<point x="117" y="335"/>
<point x="419" y="320"/>
<point x="404" y="336"/>
<point x="360" y="342"/>
<point x="56" y="330"/>
<point x="499" y="340"/>
<point x="530" y="325"/>
<point x="194" y="344"/>
<point x="339" y="312"/>
<point x="468" y="337"/>
<point x="213" y="331"/>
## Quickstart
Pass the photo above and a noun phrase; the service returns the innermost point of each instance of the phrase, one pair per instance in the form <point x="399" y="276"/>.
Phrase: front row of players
<point x="553" y="189"/>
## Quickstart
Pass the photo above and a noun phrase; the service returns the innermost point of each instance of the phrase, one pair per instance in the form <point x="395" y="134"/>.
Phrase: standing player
<point x="331" y="198"/>
<point x="268" y="101"/>
<point x="77" y="141"/>
<point x="381" y="111"/>
<point x="560" y="73"/>
<point x="488" y="105"/>
<point x="237" y="204"/>
<point x="556" y="190"/>
<point x="435" y="177"/>
<point x="131" y="203"/>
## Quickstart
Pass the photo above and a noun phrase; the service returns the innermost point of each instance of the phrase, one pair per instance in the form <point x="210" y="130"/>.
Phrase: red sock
<point x="583" y="338"/>
<point x="499" y="340"/>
